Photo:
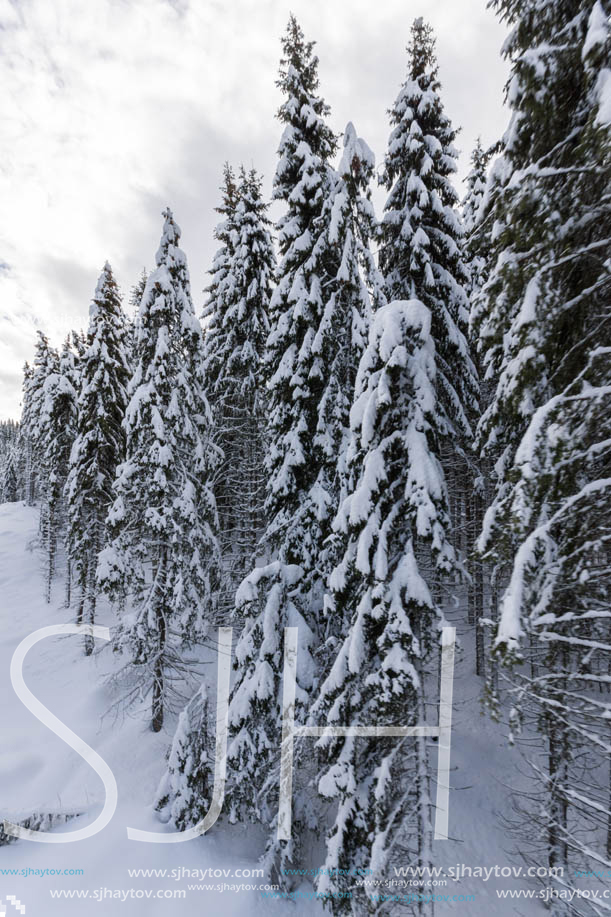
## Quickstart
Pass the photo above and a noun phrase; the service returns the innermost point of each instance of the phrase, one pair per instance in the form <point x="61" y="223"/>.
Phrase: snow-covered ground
<point x="40" y="773"/>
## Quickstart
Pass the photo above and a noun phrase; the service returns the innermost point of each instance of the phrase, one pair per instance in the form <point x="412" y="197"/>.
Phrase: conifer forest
<point x="374" y="424"/>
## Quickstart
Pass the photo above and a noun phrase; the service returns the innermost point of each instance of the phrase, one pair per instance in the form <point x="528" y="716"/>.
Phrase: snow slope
<point x="38" y="772"/>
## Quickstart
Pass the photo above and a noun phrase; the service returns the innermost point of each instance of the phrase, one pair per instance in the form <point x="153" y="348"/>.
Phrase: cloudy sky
<point x="112" y="109"/>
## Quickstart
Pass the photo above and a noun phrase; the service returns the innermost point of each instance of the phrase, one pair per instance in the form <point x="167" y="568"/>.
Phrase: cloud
<point x="112" y="109"/>
<point x="17" y="330"/>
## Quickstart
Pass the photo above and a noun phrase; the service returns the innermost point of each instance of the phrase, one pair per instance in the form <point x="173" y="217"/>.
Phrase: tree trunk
<point x="91" y="587"/>
<point x="478" y="590"/>
<point x="158" y="673"/>
<point x="81" y="605"/>
<point x="557" y="764"/>
<point x="50" y="544"/>
<point x="67" y="598"/>
<point x="157" y="708"/>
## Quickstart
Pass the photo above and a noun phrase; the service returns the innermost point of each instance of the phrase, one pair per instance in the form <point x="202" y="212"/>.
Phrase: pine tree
<point x="415" y="395"/>
<point x="9" y="461"/>
<point x="477" y="244"/>
<point x="9" y="432"/>
<point x="421" y="253"/>
<point x="234" y="341"/>
<point x="10" y="487"/>
<point x="422" y="256"/>
<point x="57" y="434"/>
<point x="356" y="291"/>
<point x="25" y="440"/>
<point x="234" y="344"/>
<point x="99" y="444"/>
<point x="32" y="413"/>
<point x="137" y="292"/>
<point x="289" y="588"/>
<point x="476" y="238"/>
<point x="163" y="556"/>
<point x="135" y="298"/>
<point x="44" y="482"/>
<point x="185" y="791"/>
<point x="545" y="340"/>
<point x="223" y="233"/>
<point x="476" y="186"/>
<point x="79" y="344"/>
<point x="395" y="526"/>
<point x="299" y="347"/>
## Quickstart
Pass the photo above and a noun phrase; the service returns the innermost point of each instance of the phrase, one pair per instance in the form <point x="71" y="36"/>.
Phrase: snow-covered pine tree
<point x="163" y="558"/>
<point x="79" y="344"/>
<point x="9" y="433"/>
<point x="212" y="316"/>
<point x="135" y="298"/>
<point x="546" y="339"/>
<point x="289" y="590"/>
<point x="421" y="252"/>
<point x="482" y="229"/>
<point x="137" y="292"/>
<point x="476" y="251"/>
<point x="25" y="440"/>
<point x="237" y="325"/>
<point x="234" y="344"/>
<point x="395" y="525"/>
<point x="185" y="791"/>
<point x="57" y="433"/>
<point x="10" y="483"/>
<point x="356" y="291"/>
<point x="9" y="461"/>
<point x="223" y="233"/>
<point x="476" y="186"/>
<point x="70" y="361"/>
<point x="416" y="393"/>
<point x="229" y="385"/>
<point x="475" y="247"/>
<point x="45" y="358"/>
<point x="99" y="444"/>
<point x="44" y="472"/>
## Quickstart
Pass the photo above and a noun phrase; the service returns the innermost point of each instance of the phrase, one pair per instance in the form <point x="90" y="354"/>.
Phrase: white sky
<point x="112" y="109"/>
